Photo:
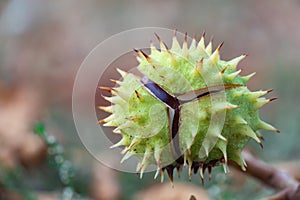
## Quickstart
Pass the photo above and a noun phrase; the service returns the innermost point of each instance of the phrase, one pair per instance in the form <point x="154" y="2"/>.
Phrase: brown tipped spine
<point x="220" y="46"/>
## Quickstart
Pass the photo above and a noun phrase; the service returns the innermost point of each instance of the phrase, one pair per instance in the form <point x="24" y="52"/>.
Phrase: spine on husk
<point x="164" y="117"/>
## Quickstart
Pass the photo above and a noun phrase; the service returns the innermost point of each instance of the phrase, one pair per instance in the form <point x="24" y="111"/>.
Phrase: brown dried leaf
<point x="105" y="184"/>
<point x="181" y="191"/>
<point x="20" y="107"/>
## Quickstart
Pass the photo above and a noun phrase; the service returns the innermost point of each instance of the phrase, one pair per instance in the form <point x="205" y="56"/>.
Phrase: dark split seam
<point x="174" y="104"/>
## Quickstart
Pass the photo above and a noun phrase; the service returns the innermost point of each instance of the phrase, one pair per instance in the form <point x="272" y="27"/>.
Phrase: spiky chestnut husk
<point x="141" y="109"/>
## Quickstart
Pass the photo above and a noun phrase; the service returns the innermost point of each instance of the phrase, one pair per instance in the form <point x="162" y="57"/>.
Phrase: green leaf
<point x="39" y="129"/>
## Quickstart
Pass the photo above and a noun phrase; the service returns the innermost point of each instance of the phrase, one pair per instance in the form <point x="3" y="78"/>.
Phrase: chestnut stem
<point x="287" y="185"/>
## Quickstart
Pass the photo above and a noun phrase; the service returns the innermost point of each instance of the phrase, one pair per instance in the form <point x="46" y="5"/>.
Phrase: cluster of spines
<point x="121" y="100"/>
<point x="211" y="58"/>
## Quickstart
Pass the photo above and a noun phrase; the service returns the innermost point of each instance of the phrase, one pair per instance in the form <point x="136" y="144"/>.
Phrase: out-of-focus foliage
<point x="16" y="179"/>
<point x="57" y="160"/>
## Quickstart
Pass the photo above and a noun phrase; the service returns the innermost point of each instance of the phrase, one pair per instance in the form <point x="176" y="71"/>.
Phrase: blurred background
<point x="42" y="44"/>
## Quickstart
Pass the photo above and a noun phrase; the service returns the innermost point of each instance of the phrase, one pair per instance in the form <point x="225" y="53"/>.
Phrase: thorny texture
<point x="178" y="82"/>
<point x="285" y="183"/>
<point x="195" y="166"/>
